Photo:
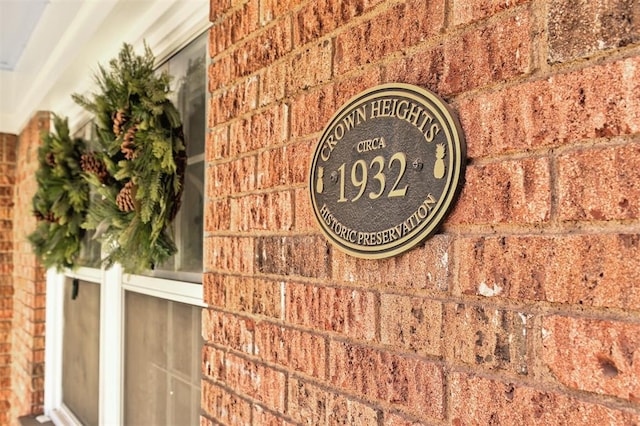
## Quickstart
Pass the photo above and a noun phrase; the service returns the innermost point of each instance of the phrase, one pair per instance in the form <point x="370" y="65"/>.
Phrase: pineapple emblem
<point x="320" y="182"/>
<point x="438" y="167"/>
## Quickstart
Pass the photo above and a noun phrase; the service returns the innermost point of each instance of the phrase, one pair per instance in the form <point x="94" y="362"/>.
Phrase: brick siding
<point x="27" y="375"/>
<point x="523" y="309"/>
<point x="7" y="179"/>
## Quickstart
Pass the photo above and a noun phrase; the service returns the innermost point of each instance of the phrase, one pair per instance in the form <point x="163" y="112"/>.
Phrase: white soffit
<point x="74" y="36"/>
<point x="18" y="18"/>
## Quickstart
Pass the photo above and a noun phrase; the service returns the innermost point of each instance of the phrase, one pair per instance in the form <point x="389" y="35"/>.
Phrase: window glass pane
<point x="188" y="70"/>
<point x="190" y="222"/>
<point x="89" y="251"/>
<point x="90" y="248"/>
<point x="162" y="368"/>
<point x="80" y="353"/>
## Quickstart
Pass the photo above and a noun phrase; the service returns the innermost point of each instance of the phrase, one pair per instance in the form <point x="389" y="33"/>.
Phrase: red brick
<point x="393" y="419"/>
<point x="307" y="403"/>
<point x="474" y="59"/>
<point x="275" y="9"/>
<point x="299" y="155"/>
<point x="268" y="298"/>
<point x="517" y="191"/>
<point x="325" y="101"/>
<point x="217" y="215"/>
<point x="401" y="26"/>
<point x="217" y="8"/>
<point x="322" y="101"/>
<point x="262" y="417"/>
<point x="27" y="341"/>
<point x="230" y="254"/>
<point x="306" y="256"/>
<point x="467" y="11"/>
<point x="310" y="67"/>
<point x="297" y="350"/>
<point x="273" y="168"/>
<point x="598" y="270"/>
<point x="252" y="295"/>
<point x="593" y="355"/>
<point x="219" y="73"/>
<point x="489" y="338"/>
<point x="600" y="184"/>
<point x="214" y="289"/>
<point x="256" y="381"/>
<point x="413" y="269"/>
<point x="233" y="27"/>
<point x="223" y="405"/>
<point x="217" y="145"/>
<point x="611" y="24"/>
<point x="238" y="293"/>
<point x="303" y="213"/>
<point x="346" y="311"/>
<point x="232" y="102"/>
<point x="205" y="421"/>
<point x="321" y="17"/>
<point x="345" y="411"/>
<point x="476" y="400"/>
<point x="263" y="129"/>
<point x="230" y="178"/>
<point x="424" y="68"/>
<point x="413" y="384"/>
<point x="411" y="322"/>
<point x="272" y="83"/>
<point x="271" y="44"/>
<point x="593" y="102"/>
<point x="272" y="211"/>
<point x="494" y="53"/>
<point x="228" y="330"/>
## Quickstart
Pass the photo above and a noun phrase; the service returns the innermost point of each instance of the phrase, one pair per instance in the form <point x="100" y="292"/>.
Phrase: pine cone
<point x="128" y="146"/>
<point x="119" y="118"/>
<point x="124" y="200"/>
<point x="90" y="163"/>
<point x="50" y="159"/>
<point x="49" y="217"/>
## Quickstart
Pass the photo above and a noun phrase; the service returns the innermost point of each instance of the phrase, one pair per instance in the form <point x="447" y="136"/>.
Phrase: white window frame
<point x="113" y="284"/>
<point x="168" y="27"/>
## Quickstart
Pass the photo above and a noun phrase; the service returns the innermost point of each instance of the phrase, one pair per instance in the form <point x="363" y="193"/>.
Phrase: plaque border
<point x="445" y="202"/>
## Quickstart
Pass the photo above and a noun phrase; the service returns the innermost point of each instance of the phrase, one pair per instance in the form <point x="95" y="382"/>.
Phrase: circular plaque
<point x="386" y="170"/>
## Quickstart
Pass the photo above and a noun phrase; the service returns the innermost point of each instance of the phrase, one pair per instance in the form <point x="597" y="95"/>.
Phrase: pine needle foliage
<point x="141" y="141"/>
<point x="61" y="201"/>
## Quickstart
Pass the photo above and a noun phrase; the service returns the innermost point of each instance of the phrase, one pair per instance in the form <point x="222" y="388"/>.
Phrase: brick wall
<point x="27" y="375"/>
<point x="7" y="179"/>
<point x="524" y="308"/>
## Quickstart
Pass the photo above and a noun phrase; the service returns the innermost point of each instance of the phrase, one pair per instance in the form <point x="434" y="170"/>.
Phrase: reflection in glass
<point x="89" y="249"/>
<point x="188" y="69"/>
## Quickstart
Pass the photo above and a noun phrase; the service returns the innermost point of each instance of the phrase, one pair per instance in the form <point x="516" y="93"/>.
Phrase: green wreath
<point x="61" y="200"/>
<point x="137" y="171"/>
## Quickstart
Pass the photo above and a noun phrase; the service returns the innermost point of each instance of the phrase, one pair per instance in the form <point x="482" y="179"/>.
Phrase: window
<point x="126" y="348"/>
<point x="80" y="343"/>
<point x="162" y="361"/>
<point x="188" y="70"/>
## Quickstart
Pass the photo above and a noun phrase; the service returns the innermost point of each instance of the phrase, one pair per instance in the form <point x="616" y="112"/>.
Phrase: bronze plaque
<point x="386" y="170"/>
